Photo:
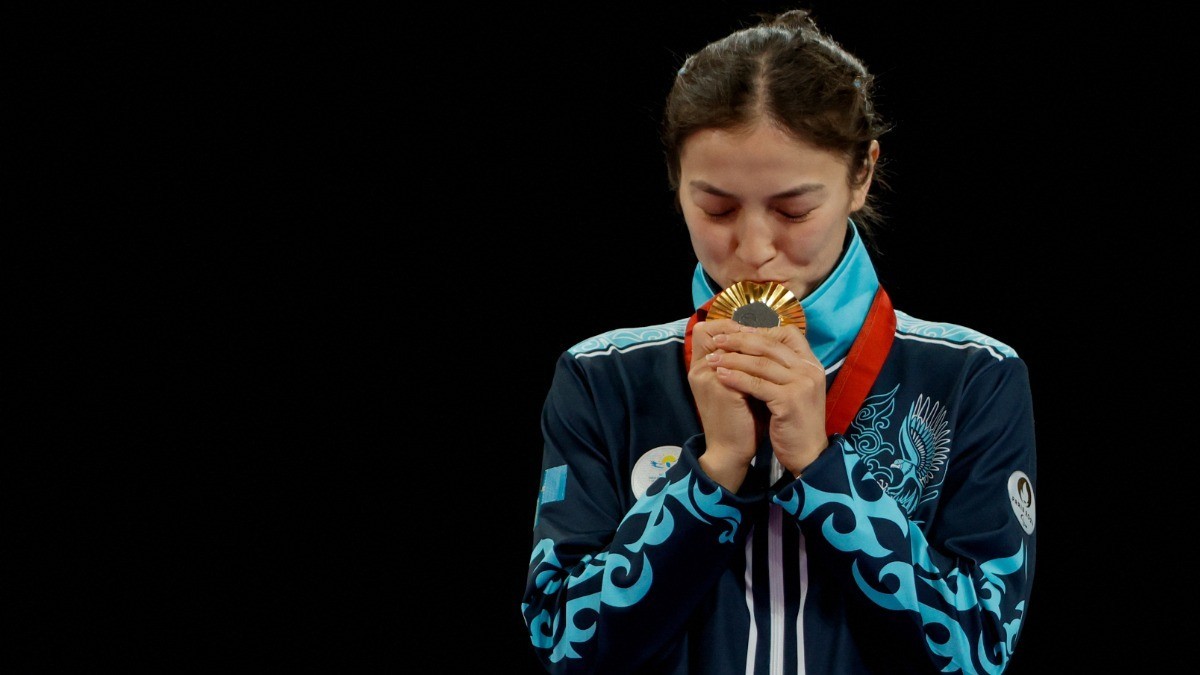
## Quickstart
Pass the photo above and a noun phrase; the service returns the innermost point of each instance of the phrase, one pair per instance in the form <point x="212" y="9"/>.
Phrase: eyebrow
<point x="798" y="191"/>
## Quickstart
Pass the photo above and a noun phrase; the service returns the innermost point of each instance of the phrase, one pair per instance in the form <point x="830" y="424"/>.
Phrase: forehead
<point x="762" y="152"/>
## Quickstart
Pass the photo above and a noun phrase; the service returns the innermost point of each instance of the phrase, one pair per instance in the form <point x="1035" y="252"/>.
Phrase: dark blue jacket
<point x="907" y="547"/>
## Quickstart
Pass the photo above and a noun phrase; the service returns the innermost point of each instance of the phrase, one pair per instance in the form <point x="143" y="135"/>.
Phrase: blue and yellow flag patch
<point x="554" y="487"/>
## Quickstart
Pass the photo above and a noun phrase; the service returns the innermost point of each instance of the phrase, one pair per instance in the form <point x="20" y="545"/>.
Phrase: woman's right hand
<point x="731" y="426"/>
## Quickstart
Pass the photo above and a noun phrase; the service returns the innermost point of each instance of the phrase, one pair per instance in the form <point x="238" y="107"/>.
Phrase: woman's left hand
<point x="778" y="367"/>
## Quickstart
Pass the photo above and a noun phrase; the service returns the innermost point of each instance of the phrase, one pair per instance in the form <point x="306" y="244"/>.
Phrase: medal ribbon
<point x="854" y="379"/>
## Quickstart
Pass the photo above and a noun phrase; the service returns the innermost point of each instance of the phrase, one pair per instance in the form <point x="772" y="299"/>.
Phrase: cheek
<point x="709" y="241"/>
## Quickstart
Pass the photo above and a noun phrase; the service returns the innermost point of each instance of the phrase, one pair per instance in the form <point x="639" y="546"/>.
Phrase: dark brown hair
<point x="786" y="70"/>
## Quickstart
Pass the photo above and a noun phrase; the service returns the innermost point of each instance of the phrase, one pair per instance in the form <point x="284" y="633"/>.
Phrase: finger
<point x="788" y="348"/>
<point x="777" y="346"/>
<point x="793" y="338"/>
<point x="818" y="366"/>
<point x="719" y="326"/>
<point x="748" y="384"/>
<point x="764" y="368"/>
<point x="772" y="389"/>
<point x="703" y="334"/>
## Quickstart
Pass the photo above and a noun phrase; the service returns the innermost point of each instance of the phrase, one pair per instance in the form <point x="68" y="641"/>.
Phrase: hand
<point x="778" y="367"/>
<point x="731" y="428"/>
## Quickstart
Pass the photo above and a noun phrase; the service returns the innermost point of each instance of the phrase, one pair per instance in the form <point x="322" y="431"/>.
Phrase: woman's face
<point x="763" y="206"/>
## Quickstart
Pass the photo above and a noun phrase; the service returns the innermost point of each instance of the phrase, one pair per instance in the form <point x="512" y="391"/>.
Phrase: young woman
<point x="799" y="477"/>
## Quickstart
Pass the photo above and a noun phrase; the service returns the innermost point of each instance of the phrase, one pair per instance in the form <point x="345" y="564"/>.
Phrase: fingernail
<point x="712" y="358"/>
<point x="720" y="338"/>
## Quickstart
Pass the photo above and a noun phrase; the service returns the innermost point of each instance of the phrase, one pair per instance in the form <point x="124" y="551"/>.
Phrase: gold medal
<point x="759" y="305"/>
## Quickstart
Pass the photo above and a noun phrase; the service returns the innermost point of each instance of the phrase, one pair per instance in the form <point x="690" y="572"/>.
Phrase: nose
<point x="755" y="238"/>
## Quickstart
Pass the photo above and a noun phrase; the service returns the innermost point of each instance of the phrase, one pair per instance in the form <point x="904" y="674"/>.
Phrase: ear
<point x="866" y="172"/>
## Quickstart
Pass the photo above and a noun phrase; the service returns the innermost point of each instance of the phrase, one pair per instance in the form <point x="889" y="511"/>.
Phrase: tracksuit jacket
<point x="908" y="546"/>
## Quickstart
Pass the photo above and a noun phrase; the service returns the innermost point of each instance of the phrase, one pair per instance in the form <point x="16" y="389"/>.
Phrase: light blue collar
<point x="835" y="310"/>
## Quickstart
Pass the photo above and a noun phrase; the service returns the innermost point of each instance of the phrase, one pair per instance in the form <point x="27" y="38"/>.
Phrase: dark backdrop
<point x="1019" y="162"/>
<point x="364" y="236"/>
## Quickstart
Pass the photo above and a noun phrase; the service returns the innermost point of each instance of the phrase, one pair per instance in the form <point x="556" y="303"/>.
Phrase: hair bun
<point x="793" y="19"/>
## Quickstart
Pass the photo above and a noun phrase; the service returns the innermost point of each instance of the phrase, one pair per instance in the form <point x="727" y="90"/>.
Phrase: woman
<point x="799" y="477"/>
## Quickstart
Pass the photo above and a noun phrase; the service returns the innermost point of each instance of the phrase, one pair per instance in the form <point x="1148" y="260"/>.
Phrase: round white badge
<point x="651" y="466"/>
<point x="1020" y="495"/>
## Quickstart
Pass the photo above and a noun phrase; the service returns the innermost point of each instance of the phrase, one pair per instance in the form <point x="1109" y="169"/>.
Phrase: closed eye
<point x="795" y="217"/>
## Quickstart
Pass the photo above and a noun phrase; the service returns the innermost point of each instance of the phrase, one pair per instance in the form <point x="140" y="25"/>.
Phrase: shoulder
<point x="624" y="340"/>
<point x="950" y="335"/>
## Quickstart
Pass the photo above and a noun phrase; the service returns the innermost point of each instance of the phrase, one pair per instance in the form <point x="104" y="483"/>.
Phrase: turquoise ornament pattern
<point x="912" y="469"/>
<point x="951" y="333"/>
<point x="626" y="338"/>
<point x="919" y="586"/>
<point x="590" y="585"/>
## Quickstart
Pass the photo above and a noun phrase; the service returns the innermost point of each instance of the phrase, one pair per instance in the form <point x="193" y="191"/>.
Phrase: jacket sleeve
<point x="609" y="588"/>
<point x="960" y="584"/>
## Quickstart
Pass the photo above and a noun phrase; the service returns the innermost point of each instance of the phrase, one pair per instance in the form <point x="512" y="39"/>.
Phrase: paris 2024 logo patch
<point x="1020" y="495"/>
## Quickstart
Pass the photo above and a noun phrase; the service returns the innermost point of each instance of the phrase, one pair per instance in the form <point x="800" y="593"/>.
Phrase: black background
<point x="349" y="245"/>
